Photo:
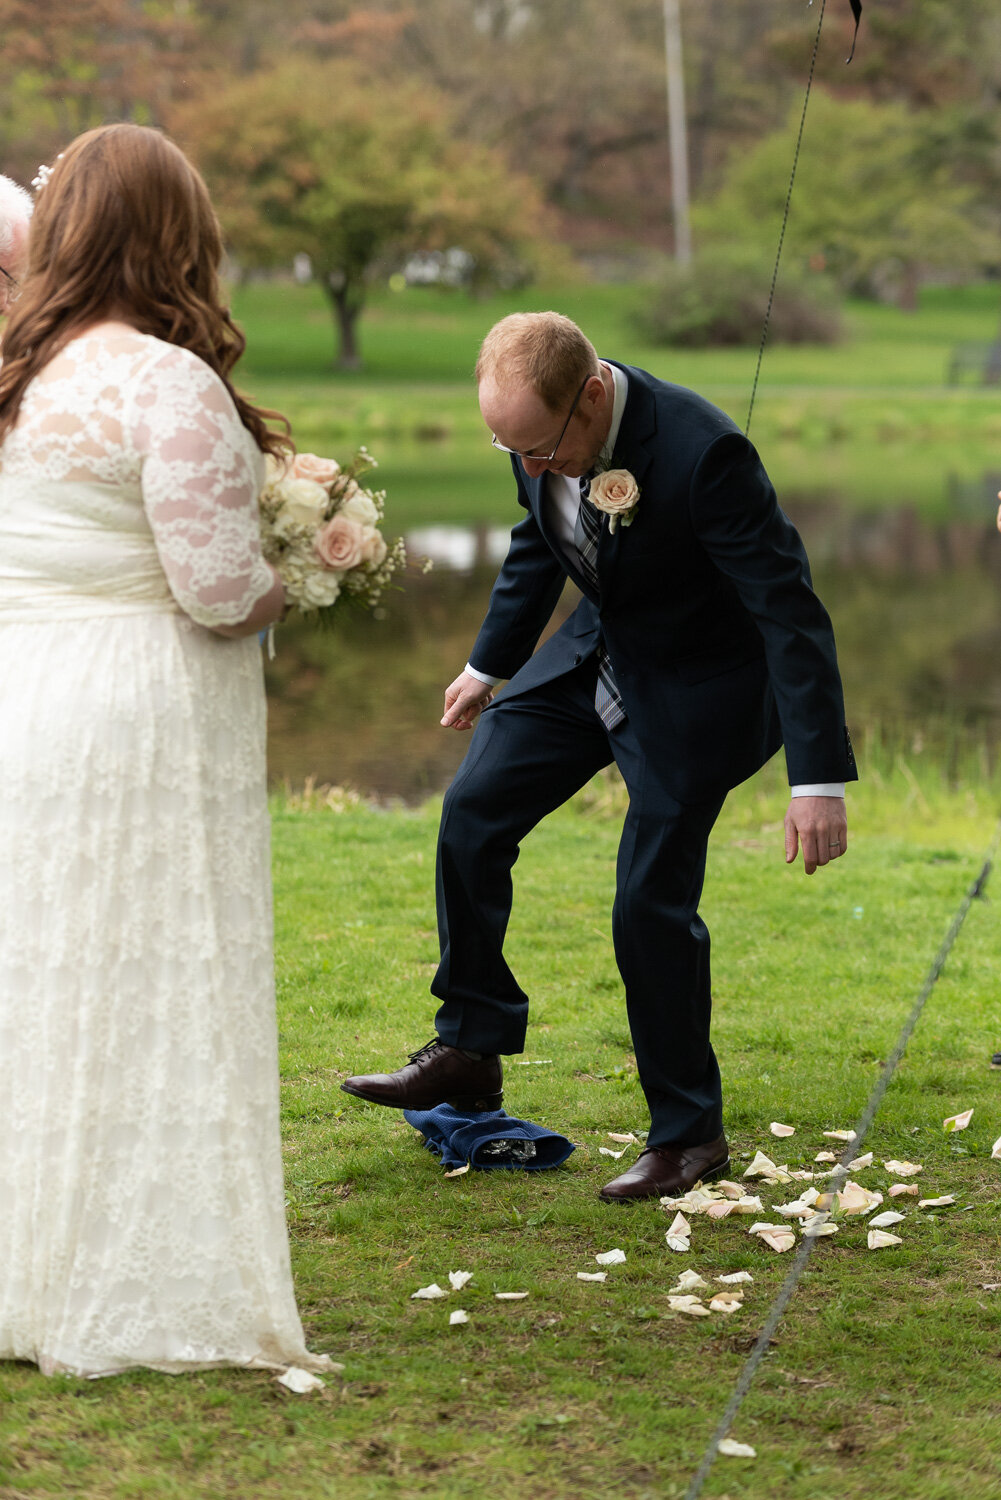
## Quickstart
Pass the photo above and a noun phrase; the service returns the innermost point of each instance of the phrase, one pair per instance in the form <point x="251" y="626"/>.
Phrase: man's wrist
<point x="481" y="676"/>
<point x="819" y="789"/>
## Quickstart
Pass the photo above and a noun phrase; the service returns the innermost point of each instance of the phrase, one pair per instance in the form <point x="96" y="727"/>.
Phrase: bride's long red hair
<point x="125" y="228"/>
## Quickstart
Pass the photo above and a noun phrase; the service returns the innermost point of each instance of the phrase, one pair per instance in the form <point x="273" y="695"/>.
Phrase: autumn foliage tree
<point x="315" y="158"/>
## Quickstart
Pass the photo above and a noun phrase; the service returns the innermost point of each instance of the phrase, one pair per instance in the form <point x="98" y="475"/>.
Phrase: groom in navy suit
<point x="698" y="648"/>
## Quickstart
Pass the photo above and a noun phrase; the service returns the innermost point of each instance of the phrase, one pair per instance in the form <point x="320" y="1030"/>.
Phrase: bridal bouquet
<point x="320" y="529"/>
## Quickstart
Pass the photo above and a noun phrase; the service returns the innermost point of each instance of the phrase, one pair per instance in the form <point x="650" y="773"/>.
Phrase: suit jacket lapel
<point x="634" y="450"/>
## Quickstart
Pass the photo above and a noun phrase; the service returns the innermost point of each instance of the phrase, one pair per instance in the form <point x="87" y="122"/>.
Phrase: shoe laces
<point x="426" y="1051"/>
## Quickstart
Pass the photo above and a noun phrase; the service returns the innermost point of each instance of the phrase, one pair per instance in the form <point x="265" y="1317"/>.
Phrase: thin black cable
<point x="785" y="217"/>
<point x="805" y="1250"/>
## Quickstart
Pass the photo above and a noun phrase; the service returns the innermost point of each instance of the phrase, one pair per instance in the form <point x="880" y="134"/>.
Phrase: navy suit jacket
<point x="720" y="648"/>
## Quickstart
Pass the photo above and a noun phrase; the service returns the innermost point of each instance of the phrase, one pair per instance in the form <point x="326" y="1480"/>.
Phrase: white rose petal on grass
<point x="761" y="1166"/>
<point x="996" y="1150"/>
<point x="942" y="1202"/>
<point x="592" y="1275"/>
<point x="878" y="1239"/>
<point x="730" y="1448"/>
<point x="679" y="1236"/>
<point x="899" y="1188"/>
<point x="687" y="1282"/>
<point x="457" y="1279"/>
<point x="721" y="1210"/>
<point x="604" y="1151"/>
<point x="749" y="1205"/>
<point x="690" y="1305"/>
<point x="883" y="1221"/>
<point x="611" y="1258"/>
<point x="838" y="1135"/>
<point x="300" y="1382"/>
<point x="458" y="1171"/>
<point x="777" y="1128"/>
<point x="726" y="1302"/>
<point x="510" y="1296"/>
<point x="818" y="1228"/>
<point x="957" y="1122"/>
<point x="903" y="1168"/>
<point x="860" y="1162"/>
<point x="696" y="1201"/>
<point x="855" y="1199"/>
<point x="459" y="1316"/>
<point x="428" y="1293"/>
<point x="735" y="1277"/>
<point x="530" y="1062"/>
<point x="730" y="1189"/>
<point x="825" y="1156"/>
<point x="623" y="1140"/>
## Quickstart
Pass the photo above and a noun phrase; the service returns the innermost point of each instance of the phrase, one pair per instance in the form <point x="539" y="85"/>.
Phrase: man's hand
<point x="463" y="700"/>
<point x="820" y="825"/>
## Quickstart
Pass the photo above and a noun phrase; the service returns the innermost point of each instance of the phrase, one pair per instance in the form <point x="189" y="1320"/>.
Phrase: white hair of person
<point x="15" y="214"/>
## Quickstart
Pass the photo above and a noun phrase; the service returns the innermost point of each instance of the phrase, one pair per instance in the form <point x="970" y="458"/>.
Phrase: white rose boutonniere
<point x="617" y="494"/>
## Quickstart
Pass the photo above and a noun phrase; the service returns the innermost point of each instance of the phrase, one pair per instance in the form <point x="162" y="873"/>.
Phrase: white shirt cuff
<point x="819" y="789"/>
<point x="482" y="676"/>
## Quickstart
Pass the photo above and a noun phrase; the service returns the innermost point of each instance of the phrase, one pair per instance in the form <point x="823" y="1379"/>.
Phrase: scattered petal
<point x="458" y="1279"/>
<point x="777" y="1128"/>
<point x="428" y="1293"/>
<point x="735" y="1277"/>
<point x="883" y="1221"/>
<point x="696" y="1201"/>
<point x="903" y="1168"/>
<point x="592" y="1275"/>
<point x="958" y="1122"/>
<point x="730" y="1189"/>
<point x="624" y="1140"/>
<point x="860" y="1162"/>
<point x="611" y="1258"/>
<point x="942" y="1202"/>
<point x="730" y="1448"/>
<point x="797" y="1210"/>
<point x="749" y="1205"/>
<point x="878" y="1239"/>
<point x="838" y="1135"/>
<point x="687" y="1282"/>
<point x="690" y="1305"/>
<point x="819" y="1227"/>
<point x="726" y="1302"/>
<point x="530" y="1062"/>
<point x="604" y="1151"/>
<point x="680" y="1233"/>
<point x="459" y="1316"/>
<point x="300" y="1381"/>
<point x="720" y="1210"/>
<point x="996" y="1149"/>
<point x="897" y="1188"/>
<point x="990" y="1286"/>
<point x="510" y="1296"/>
<point x="761" y="1166"/>
<point x="858" y="1200"/>
<point x="825" y="1156"/>
<point x="458" y="1171"/>
<point x="804" y="1176"/>
<point x="777" y="1236"/>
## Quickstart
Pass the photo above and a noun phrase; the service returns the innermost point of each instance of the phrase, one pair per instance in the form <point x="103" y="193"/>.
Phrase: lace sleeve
<point x="200" y="481"/>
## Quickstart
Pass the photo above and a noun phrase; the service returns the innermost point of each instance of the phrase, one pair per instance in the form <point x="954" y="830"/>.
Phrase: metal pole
<point x="677" y="135"/>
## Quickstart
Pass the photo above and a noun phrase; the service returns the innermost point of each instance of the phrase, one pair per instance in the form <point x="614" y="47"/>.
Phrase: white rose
<point x="358" y="507"/>
<point x="304" y="500"/>
<point x="319" y="590"/>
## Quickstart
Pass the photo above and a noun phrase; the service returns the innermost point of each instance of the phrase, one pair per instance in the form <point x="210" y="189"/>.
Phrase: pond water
<point x="916" y="605"/>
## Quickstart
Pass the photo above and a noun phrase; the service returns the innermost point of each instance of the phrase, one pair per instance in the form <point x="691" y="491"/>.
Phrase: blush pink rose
<point x="617" y="494"/>
<point x="320" y="470"/>
<point x="340" y="544"/>
<point x="374" y="548"/>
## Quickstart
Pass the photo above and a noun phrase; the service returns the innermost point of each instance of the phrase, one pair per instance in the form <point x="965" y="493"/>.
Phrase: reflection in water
<point x="916" y="606"/>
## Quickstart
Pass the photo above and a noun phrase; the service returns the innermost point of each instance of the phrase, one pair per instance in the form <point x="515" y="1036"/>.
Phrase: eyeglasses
<point x="10" y="278"/>
<point x="544" y="458"/>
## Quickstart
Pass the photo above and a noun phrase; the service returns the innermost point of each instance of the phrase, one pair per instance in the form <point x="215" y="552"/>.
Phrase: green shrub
<point x="721" y="299"/>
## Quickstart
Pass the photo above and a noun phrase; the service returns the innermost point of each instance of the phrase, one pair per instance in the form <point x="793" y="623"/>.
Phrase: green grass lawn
<point x="884" y="1377"/>
<point x="869" y="420"/>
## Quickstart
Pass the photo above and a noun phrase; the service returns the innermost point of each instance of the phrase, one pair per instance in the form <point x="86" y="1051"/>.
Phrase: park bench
<point x="978" y="359"/>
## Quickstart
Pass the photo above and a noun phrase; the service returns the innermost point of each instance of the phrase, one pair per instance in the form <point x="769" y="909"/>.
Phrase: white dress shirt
<point x="562" y="499"/>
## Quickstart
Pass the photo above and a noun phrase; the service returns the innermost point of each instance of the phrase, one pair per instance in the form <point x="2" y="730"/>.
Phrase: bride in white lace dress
<point x="141" y="1196"/>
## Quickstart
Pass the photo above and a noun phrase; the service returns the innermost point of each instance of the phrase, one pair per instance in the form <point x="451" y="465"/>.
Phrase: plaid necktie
<point x="587" y="530"/>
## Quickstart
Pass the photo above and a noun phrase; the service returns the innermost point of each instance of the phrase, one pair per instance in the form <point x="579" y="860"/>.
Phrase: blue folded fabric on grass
<point x="490" y="1139"/>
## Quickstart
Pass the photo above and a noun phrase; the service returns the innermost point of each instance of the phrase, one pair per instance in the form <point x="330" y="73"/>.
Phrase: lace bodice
<point x="129" y="483"/>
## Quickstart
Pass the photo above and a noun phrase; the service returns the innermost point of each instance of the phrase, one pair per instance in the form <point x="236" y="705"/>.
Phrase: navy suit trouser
<point x="530" y="753"/>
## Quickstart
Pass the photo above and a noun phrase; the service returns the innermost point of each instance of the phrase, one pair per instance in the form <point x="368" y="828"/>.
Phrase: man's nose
<point x="536" y="466"/>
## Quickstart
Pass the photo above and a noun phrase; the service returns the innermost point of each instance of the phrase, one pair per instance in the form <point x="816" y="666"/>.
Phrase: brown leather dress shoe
<point x="669" y="1171"/>
<point x="435" y="1074"/>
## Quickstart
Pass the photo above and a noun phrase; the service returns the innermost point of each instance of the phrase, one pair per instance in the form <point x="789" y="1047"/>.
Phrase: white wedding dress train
<point x="142" y="1218"/>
